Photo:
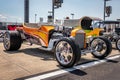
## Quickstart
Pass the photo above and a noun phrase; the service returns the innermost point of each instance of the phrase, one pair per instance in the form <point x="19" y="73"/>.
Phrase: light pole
<point x="55" y="5"/>
<point x="72" y="15"/>
<point x="53" y="9"/>
<point x="50" y="13"/>
<point x="105" y="8"/>
<point x="26" y="11"/>
<point x="35" y="17"/>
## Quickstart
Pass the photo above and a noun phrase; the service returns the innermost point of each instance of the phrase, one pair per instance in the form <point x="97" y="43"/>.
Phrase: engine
<point x="65" y="30"/>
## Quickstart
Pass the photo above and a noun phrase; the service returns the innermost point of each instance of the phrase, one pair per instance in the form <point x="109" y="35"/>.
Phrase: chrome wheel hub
<point x="6" y="41"/>
<point x="99" y="47"/>
<point x="118" y="44"/>
<point x="64" y="52"/>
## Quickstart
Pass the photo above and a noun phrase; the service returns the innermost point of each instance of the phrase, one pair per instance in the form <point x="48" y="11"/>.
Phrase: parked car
<point x="8" y="26"/>
<point x="2" y="30"/>
<point x="111" y="31"/>
<point x="13" y="27"/>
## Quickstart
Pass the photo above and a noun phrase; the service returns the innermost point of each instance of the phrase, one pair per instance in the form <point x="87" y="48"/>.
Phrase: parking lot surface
<point x="31" y="60"/>
<point x="107" y="71"/>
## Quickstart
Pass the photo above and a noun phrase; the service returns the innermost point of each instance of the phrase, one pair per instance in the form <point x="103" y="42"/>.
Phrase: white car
<point x="1" y="34"/>
<point x="2" y="31"/>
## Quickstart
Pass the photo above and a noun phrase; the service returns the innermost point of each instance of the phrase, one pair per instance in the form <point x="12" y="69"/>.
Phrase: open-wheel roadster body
<point x="67" y="42"/>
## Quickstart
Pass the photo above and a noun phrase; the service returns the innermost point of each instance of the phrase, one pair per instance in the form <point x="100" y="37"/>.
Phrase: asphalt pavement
<point x="106" y="71"/>
<point x="31" y="61"/>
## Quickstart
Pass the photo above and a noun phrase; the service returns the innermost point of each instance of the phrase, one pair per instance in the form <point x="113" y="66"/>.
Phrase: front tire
<point x="118" y="44"/>
<point x="101" y="47"/>
<point x="67" y="53"/>
<point x="12" y="40"/>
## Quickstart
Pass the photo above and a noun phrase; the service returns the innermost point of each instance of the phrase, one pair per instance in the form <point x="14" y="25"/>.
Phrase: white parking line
<point x="83" y="66"/>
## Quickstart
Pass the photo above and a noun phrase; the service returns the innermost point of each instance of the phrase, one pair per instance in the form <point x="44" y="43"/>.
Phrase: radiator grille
<point x="80" y="39"/>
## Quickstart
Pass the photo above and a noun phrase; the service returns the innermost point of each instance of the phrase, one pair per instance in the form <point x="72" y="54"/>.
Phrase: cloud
<point x="14" y="18"/>
<point x="9" y="18"/>
<point x="2" y="16"/>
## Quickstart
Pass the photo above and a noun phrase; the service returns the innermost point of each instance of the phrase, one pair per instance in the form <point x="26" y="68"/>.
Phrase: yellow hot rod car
<point x="67" y="42"/>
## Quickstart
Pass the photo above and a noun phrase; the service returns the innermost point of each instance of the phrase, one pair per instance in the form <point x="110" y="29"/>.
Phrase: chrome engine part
<point x="112" y="36"/>
<point x="57" y="35"/>
<point x="67" y="30"/>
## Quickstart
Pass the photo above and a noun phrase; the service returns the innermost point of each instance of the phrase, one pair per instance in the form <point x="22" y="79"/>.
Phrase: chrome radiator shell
<point x="80" y="39"/>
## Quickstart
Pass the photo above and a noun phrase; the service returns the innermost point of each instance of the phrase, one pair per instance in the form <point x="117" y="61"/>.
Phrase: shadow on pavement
<point x="45" y="55"/>
<point x="78" y="72"/>
<point x="112" y="61"/>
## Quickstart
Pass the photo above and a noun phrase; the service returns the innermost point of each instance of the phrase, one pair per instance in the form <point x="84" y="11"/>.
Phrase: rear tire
<point x="101" y="47"/>
<point x="67" y="53"/>
<point x="118" y="44"/>
<point x="12" y="40"/>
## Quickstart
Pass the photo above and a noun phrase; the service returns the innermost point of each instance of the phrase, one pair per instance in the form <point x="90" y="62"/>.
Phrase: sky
<point x="13" y="10"/>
